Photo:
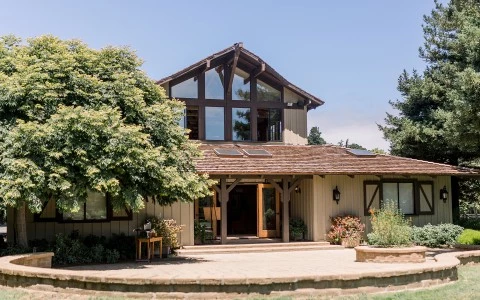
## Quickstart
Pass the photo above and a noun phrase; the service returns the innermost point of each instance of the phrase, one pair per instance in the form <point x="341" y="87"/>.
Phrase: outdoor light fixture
<point x="336" y="194"/>
<point x="444" y="194"/>
<point x="298" y="190"/>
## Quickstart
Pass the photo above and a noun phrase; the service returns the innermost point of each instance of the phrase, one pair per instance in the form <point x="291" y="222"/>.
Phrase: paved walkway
<point x="255" y="266"/>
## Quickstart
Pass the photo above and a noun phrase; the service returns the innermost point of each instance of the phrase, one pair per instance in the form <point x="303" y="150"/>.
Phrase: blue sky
<point x="349" y="53"/>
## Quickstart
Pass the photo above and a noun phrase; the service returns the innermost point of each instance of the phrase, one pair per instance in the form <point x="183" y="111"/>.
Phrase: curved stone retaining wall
<point x="390" y="255"/>
<point x="444" y="271"/>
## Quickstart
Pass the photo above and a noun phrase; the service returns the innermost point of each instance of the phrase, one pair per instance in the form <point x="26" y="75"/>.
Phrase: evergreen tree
<point x="315" y="137"/>
<point x="439" y="116"/>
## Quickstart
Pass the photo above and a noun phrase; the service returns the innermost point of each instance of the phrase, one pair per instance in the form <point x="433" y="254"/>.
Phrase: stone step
<point x="256" y="244"/>
<point x="253" y="249"/>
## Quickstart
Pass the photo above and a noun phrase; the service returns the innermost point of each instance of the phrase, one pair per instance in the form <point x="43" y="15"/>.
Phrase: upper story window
<point x="266" y="92"/>
<point x="214" y="123"/>
<point x="240" y="89"/>
<point x="186" y="89"/>
<point x="241" y="124"/>
<point x="269" y="124"/>
<point x="214" y="81"/>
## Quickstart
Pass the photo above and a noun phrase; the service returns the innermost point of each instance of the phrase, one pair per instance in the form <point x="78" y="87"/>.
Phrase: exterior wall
<point x="295" y="131"/>
<point x="352" y="202"/>
<point x="302" y="206"/>
<point x="181" y="212"/>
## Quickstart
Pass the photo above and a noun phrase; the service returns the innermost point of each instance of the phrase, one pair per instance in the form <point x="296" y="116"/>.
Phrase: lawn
<point x="467" y="287"/>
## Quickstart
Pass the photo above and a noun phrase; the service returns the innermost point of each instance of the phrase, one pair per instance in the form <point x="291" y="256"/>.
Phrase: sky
<point x="348" y="53"/>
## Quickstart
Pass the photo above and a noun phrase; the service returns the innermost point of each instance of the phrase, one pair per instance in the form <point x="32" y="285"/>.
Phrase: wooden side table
<point x="150" y="247"/>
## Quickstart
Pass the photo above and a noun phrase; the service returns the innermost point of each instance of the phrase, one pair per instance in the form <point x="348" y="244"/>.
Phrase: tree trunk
<point x="21" y="232"/>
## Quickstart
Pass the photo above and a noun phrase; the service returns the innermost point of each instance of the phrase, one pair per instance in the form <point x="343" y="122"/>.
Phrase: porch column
<point x="285" y="213"/>
<point x="223" y="204"/>
<point x="224" y="192"/>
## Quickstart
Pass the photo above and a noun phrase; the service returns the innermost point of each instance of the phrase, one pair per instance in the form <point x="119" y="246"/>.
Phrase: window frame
<point x="253" y="104"/>
<point x="416" y="195"/>
<point x="59" y="215"/>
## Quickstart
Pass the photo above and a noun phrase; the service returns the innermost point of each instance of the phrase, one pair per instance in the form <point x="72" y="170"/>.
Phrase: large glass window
<point x="214" y="123"/>
<point x="214" y="84"/>
<point x="266" y="92"/>
<point x="401" y="193"/>
<point x="186" y="89"/>
<point x="269" y="125"/>
<point x="240" y="89"/>
<point x="241" y="124"/>
<point x="190" y="121"/>
<point x="95" y="208"/>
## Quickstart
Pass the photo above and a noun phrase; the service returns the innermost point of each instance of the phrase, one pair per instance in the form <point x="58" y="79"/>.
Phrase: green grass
<point x="467" y="287"/>
<point x="469" y="237"/>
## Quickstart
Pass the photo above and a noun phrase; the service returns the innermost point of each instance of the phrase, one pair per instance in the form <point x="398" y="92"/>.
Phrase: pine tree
<point x="315" y="137"/>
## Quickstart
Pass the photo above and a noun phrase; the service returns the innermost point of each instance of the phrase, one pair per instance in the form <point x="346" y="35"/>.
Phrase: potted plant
<point x="168" y="230"/>
<point x="297" y="228"/>
<point x="391" y="238"/>
<point x="346" y="230"/>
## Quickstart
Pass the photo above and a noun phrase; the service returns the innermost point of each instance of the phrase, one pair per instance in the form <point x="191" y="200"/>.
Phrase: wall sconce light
<point x="444" y="194"/>
<point x="298" y="190"/>
<point x="336" y="194"/>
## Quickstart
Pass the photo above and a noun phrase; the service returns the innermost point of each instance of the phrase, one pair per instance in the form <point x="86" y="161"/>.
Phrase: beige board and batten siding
<point x="302" y="206"/>
<point x="315" y="205"/>
<point x="180" y="211"/>
<point x="295" y="132"/>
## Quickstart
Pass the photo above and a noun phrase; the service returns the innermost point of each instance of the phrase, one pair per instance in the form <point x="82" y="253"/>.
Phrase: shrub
<point x="345" y="227"/>
<point x="469" y="237"/>
<point x="167" y="229"/>
<point x="436" y="235"/>
<point x="202" y="235"/>
<point x="297" y="227"/>
<point x="112" y="256"/>
<point x="470" y="223"/>
<point x="389" y="227"/>
<point x="125" y="245"/>
<point x="73" y="249"/>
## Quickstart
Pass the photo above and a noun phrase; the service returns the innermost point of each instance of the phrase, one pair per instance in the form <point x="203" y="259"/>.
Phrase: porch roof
<point x="315" y="160"/>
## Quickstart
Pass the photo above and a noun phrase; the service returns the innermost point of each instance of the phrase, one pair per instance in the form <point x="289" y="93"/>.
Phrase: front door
<point x="268" y="211"/>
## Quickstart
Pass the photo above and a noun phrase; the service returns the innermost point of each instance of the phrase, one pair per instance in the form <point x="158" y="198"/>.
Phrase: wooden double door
<point x="244" y="210"/>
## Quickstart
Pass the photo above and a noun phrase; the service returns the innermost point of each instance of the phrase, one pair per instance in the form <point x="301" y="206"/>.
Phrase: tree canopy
<point x="315" y="137"/>
<point x="439" y="113"/>
<point x="74" y="119"/>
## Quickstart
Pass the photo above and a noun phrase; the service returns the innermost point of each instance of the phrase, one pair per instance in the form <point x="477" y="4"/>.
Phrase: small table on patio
<point x="150" y="247"/>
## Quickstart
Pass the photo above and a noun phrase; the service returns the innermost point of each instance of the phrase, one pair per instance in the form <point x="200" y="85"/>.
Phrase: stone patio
<point x="323" y="272"/>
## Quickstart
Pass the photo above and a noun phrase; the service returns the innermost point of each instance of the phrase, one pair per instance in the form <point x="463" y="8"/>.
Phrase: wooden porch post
<point x="285" y="212"/>
<point x="223" y="204"/>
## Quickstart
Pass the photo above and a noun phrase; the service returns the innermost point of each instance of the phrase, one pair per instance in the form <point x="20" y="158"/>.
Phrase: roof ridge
<point x="269" y="68"/>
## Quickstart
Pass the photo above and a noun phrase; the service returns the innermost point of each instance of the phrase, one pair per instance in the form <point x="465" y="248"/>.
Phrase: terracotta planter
<point x="390" y="255"/>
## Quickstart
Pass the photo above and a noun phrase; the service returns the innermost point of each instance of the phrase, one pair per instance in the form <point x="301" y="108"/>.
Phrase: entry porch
<point x="259" y="206"/>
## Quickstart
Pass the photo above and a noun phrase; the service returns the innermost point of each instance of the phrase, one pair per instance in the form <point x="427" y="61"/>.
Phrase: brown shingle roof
<point x="315" y="100"/>
<point x="317" y="160"/>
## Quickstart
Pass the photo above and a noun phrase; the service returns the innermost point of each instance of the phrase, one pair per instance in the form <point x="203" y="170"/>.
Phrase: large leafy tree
<point x="439" y="113"/>
<point x="74" y="119"/>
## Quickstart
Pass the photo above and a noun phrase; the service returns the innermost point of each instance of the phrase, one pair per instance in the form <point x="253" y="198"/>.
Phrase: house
<point x="251" y="124"/>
